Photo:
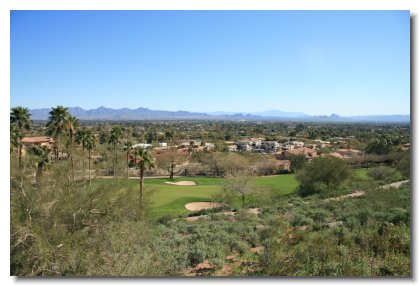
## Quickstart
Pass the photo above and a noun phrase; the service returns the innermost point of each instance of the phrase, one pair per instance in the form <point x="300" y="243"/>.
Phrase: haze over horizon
<point x="314" y="62"/>
<point x="263" y="113"/>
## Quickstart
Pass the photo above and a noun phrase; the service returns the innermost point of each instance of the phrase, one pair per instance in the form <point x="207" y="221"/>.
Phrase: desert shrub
<point x="300" y="220"/>
<point x="350" y="221"/>
<point x="385" y="174"/>
<point x="322" y="173"/>
<point x="210" y="211"/>
<point x="404" y="166"/>
<point x="245" y="216"/>
<point x="363" y="217"/>
<point x="166" y="219"/>
<point x="307" y="190"/>
<point x="319" y="215"/>
<point x="197" y="253"/>
<point x="398" y="215"/>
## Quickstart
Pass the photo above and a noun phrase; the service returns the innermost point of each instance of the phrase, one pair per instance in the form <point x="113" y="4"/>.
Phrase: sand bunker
<point x="182" y="183"/>
<point x="198" y="206"/>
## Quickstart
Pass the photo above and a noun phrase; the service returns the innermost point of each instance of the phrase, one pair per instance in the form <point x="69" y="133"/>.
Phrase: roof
<point x="142" y="145"/>
<point x="37" y="139"/>
<point x="303" y="150"/>
<point x="334" y="154"/>
<point x="349" y="150"/>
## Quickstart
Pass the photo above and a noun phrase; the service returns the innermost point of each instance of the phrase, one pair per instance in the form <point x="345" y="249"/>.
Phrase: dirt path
<point x="362" y="193"/>
<point x="394" y="185"/>
<point x="352" y="195"/>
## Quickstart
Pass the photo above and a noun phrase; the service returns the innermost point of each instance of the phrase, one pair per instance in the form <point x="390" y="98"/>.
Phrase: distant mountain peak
<point x="142" y="113"/>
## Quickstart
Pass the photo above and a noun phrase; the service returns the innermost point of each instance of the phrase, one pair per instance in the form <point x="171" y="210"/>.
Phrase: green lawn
<point x="171" y="199"/>
<point x="285" y="184"/>
<point x="361" y="174"/>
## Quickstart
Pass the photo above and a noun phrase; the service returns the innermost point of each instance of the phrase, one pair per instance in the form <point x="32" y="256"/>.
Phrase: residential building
<point x="232" y="148"/>
<point x="297" y="144"/>
<point x="37" y="140"/>
<point x="349" y="153"/>
<point x="244" y="145"/>
<point x="208" y="146"/>
<point x="163" y="144"/>
<point x="142" y="145"/>
<point x="310" y="146"/>
<point x="270" y="146"/>
<point x="285" y="154"/>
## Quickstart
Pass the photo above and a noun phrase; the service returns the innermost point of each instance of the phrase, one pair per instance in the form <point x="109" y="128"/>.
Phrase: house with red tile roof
<point x="285" y="154"/>
<point x="37" y="140"/>
<point x="30" y="141"/>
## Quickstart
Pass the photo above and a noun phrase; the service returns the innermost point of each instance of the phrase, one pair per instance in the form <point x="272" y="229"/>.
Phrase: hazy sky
<point x="317" y="62"/>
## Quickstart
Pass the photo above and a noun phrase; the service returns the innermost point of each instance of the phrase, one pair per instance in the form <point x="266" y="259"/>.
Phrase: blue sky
<point x="317" y="62"/>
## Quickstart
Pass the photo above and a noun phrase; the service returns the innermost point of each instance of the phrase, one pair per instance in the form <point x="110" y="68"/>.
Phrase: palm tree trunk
<point x="127" y="164"/>
<point x="20" y="158"/>
<point x="83" y="159"/>
<point x="71" y="158"/>
<point x="89" y="168"/>
<point x="116" y="163"/>
<point x="141" y="185"/>
<point x="56" y="149"/>
<point x="114" y="160"/>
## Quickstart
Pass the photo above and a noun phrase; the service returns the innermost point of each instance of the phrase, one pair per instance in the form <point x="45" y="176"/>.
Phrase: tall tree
<point x="328" y="172"/>
<point x="115" y="139"/>
<point x="57" y="125"/>
<point x="41" y="154"/>
<point x="128" y="146"/>
<point x="297" y="162"/>
<point x="20" y="118"/>
<point x="379" y="146"/>
<point x="240" y="184"/>
<point x="90" y="144"/>
<point x="145" y="161"/>
<point x="72" y="125"/>
<point x="15" y="138"/>
<point x="168" y="160"/>
<point x="80" y="138"/>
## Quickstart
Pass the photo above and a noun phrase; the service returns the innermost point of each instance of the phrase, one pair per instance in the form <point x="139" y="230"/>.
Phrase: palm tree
<point x="128" y="146"/>
<point x="72" y="125"/>
<point x="115" y="139"/>
<point x="15" y="138"/>
<point x="80" y="138"/>
<point x="41" y="153"/>
<point x="145" y="160"/>
<point x="57" y="124"/>
<point x="90" y="144"/>
<point x="20" y="118"/>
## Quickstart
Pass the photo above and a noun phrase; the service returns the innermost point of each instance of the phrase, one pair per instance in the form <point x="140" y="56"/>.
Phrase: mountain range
<point x="141" y="113"/>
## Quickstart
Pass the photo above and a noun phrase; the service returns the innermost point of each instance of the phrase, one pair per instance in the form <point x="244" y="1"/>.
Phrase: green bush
<point x="385" y="174"/>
